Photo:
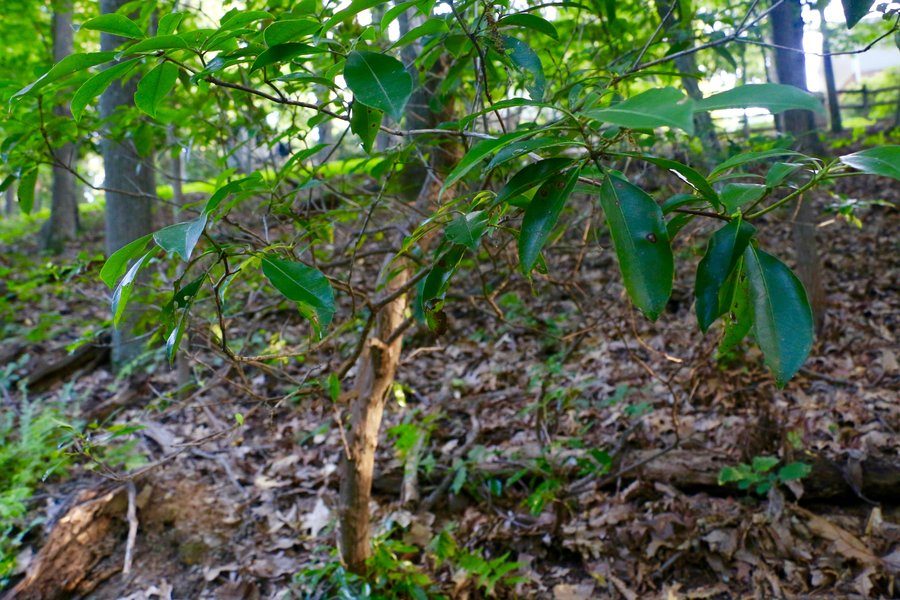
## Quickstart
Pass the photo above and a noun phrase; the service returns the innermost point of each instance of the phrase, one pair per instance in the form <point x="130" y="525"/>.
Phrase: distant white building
<point x="851" y="70"/>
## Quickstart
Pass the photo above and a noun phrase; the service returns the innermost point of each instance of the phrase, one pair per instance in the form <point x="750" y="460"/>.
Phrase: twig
<point x="132" y="528"/>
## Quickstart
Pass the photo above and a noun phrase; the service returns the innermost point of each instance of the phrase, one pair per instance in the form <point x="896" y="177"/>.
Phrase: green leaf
<point x="365" y="122"/>
<point x="303" y="284"/>
<point x="527" y="61"/>
<point x="95" y="86"/>
<point x="736" y="195"/>
<point x="748" y="157"/>
<point x="687" y="174"/>
<point x="478" y="152"/>
<point x="117" y="263"/>
<point x="115" y="24"/>
<point x="881" y="160"/>
<point x="783" y="321"/>
<point x="517" y="149"/>
<point x="280" y="32"/>
<point x="530" y="21"/>
<point x="123" y="291"/>
<point x="764" y="464"/>
<point x="25" y="192"/>
<point x="379" y="81"/>
<point x="355" y="7"/>
<point x="181" y="238"/>
<point x="282" y="53"/>
<point x="739" y="317"/>
<point x="429" y="27"/>
<point x="70" y="64"/>
<point x="775" y="97"/>
<point x="794" y="470"/>
<point x="642" y="244"/>
<point x="169" y="23"/>
<point x="779" y="173"/>
<point x="466" y="230"/>
<point x="854" y="10"/>
<point x="160" y="42"/>
<point x="155" y="86"/>
<point x="235" y="19"/>
<point x="435" y="285"/>
<point x="722" y="255"/>
<point x="530" y="176"/>
<point x="541" y="216"/>
<point x="660" y="107"/>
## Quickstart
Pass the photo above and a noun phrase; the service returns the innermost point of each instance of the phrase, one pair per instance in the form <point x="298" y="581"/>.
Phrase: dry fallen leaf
<point x="317" y="519"/>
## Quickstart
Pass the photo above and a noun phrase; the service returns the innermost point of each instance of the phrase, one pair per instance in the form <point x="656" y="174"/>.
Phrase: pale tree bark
<point x="130" y="190"/>
<point x="62" y="226"/>
<point x="790" y="66"/>
<point x="377" y="364"/>
<point x="10" y="199"/>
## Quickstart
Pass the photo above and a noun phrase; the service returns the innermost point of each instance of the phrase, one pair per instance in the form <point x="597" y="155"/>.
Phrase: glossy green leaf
<point x="794" y="470"/>
<point x="522" y="147"/>
<point x="117" y="263"/>
<point x="783" y="321"/>
<point x="527" y="61"/>
<point x="738" y="319"/>
<point x="304" y="284"/>
<point x="115" y="24"/>
<point x="479" y="152"/>
<point x="532" y="175"/>
<point x="429" y="27"/>
<point x="854" y="10"/>
<point x="466" y="230"/>
<point x="155" y="86"/>
<point x="435" y="284"/>
<point x="289" y="30"/>
<point x="123" y="290"/>
<point x="541" y="216"/>
<point x="70" y="64"/>
<point x="736" y="195"/>
<point x="235" y="18"/>
<point x="181" y="238"/>
<point x="725" y="248"/>
<point x="365" y="122"/>
<point x="530" y="21"/>
<point x="780" y="172"/>
<point x="749" y="157"/>
<point x="379" y="81"/>
<point x="95" y="86"/>
<point x="660" y="107"/>
<point x="354" y="8"/>
<point x="168" y="23"/>
<point x="25" y="191"/>
<point x="881" y="160"/>
<point x="641" y="241"/>
<point x="687" y="174"/>
<point x="775" y="97"/>
<point x="160" y="42"/>
<point x="282" y="53"/>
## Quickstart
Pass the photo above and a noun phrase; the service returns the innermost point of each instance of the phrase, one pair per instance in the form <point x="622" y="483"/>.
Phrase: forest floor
<point x="565" y="433"/>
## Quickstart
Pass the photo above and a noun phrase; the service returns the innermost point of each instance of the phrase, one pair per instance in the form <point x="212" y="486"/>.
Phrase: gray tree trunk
<point x="130" y="190"/>
<point x="834" y="106"/>
<point x="790" y="66"/>
<point x="62" y="226"/>
<point x="10" y="199"/>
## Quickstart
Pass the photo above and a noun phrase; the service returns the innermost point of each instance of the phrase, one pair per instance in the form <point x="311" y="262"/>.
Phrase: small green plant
<point x="29" y="454"/>
<point x="761" y="475"/>
<point x="487" y="574"/>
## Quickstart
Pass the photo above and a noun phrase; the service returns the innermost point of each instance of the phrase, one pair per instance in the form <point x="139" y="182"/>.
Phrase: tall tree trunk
<point x="834" y="106"/>
<point x="130" y="191"/>
<point x="377" y="365"/>
<point x="11" y="199"/>
<point x="62" y="226"/>
<point x="182" y="362"/>
<point x="687" y="66"/>
<point x="790" y="66"/>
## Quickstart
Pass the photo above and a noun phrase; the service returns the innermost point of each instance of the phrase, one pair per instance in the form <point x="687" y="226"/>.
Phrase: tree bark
<point x="687" y="66"/>
<point x="10" y="199"/>
<point x="834" y="107"/>
<point x="377" y="365"/>
<point x="62" y="226"/>
<point x="790" y="66"/>
<point x="130" y="190"/>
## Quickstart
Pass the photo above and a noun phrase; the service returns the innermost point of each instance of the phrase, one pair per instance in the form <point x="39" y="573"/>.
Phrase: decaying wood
<point x="871" y="479"/>
<point x="87" y="357"/>
<point x="80" y="552"/>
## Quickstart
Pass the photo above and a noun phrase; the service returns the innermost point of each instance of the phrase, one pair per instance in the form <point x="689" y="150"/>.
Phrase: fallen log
<point x="873" y="478"/>
<point x="86" y="358"/>
<point x="80" y="551"/>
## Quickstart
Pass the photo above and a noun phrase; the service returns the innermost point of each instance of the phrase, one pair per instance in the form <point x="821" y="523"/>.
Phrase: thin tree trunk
<point x="834" y="107"/>
<point x="687" y="66"/>
<point x="377" y="365"/>
<point x="182" y="363"/>
<point x="62" y="226"/>
<point x="131" y="189"/>
<point x="790" y="65"/>
<point x="10" y="199"/>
